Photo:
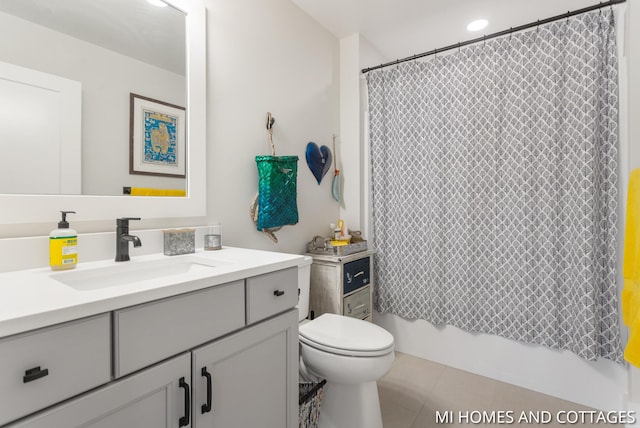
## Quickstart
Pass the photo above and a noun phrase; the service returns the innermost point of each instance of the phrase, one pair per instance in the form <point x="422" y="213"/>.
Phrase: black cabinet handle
<point x="206" y="408"/>
<point x="184" y="421"/>
<point x="34" y="373"/>
<point x="278" y="293"/>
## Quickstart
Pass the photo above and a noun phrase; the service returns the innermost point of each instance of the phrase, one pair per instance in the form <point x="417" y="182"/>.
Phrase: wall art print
<point x="157" y="138"/>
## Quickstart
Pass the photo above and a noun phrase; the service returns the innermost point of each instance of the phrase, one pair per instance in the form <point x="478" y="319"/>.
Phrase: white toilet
<point x="350" y="354"/>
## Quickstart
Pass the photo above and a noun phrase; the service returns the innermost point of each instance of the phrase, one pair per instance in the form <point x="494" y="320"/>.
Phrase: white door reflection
<point x="40" y="138"/>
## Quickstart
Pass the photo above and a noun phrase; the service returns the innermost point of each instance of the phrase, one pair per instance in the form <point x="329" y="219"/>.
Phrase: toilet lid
<point x="346" y="336"/>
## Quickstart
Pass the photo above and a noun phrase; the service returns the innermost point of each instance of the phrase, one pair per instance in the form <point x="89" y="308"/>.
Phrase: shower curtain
<point x="494" y="187"/>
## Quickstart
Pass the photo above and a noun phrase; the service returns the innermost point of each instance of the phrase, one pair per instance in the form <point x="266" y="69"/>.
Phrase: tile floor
<point x="414" y="389"/>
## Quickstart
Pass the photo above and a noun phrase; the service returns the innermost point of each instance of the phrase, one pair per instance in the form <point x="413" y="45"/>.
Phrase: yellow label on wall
<point x="63" y="250"/>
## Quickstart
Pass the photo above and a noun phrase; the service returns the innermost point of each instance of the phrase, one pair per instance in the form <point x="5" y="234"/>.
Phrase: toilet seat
<point x="343" y="335"/>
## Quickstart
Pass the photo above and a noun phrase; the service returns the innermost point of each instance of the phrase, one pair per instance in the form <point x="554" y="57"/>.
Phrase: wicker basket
<point x="323" y="246"/>
<point x="309" y="400"/>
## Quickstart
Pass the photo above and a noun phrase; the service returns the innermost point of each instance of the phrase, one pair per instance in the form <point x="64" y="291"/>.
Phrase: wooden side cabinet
<point x="342" y="285"/>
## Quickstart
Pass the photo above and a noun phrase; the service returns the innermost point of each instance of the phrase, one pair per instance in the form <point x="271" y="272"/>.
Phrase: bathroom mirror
<point x="69" y="70"/>
<point x="26" y="208"/>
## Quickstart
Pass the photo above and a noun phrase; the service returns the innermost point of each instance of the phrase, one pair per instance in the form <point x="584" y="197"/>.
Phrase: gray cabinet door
<point x="253" y="377"/>
<point x="152" y="398"/>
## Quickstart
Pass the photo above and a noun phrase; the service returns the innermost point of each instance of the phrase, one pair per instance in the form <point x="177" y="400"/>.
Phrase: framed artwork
<point x="157" y="138"/>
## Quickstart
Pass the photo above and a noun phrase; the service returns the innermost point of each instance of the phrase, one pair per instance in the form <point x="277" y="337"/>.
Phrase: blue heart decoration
<point x="319" y="160"/>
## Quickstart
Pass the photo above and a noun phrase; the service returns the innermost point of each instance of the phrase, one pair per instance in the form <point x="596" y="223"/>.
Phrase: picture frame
<point x="157" y="137"/>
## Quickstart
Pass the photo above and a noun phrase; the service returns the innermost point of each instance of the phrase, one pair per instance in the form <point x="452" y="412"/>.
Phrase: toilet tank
<point x="304" y="285"/>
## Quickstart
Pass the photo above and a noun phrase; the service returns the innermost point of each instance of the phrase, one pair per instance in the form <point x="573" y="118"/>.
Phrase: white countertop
<point x="33" y="298"/>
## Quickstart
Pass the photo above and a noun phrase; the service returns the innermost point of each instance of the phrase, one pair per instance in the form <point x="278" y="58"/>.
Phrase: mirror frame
<point x="17" y="209"/>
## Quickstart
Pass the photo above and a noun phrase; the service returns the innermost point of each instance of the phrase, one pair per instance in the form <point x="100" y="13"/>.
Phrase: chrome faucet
<point x="123" y="238"/>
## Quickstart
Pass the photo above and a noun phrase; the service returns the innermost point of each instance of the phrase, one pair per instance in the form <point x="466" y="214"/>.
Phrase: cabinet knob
<point x="278" y="293"/>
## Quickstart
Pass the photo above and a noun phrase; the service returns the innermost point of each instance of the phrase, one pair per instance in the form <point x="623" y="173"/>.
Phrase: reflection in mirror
<point x="66" y="77"/>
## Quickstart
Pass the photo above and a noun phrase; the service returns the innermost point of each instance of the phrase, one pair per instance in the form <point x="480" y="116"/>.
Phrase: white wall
<point x="602" y="384"/>
<point x="107" y="79"/>
<point x="262" y="56"/>
<point x="350" y="149"/>
<point x="633" y="51"/>
<point x="267" y="56"/>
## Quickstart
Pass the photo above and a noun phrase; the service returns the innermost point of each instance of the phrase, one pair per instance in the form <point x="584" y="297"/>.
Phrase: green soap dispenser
<point x="63" y="245"/>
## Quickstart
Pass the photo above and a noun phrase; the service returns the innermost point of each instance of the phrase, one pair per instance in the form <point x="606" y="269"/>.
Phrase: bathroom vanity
<point x="211" y="341"/>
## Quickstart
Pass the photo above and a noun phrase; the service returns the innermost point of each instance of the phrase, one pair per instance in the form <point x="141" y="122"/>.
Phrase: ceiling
<point x="131" y="27"/>
<point x="394" y="28"/>
<point x="401" y="28"/>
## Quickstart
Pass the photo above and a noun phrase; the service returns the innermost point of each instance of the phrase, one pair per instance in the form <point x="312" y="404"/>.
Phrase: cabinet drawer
<point x="42" y="367"/>
<point x="148" y="333"/>
<point x="271" y="293"/>
<point x="356" y="274"/>
<point x="152" y="398"/>
<point x="358" y="304"/>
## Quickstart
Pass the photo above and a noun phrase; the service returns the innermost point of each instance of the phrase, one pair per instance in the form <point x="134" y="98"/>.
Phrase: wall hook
<point x="270" y="121"/>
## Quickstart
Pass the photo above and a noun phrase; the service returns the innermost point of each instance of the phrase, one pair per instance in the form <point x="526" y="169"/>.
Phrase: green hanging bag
<point x="277" y="191"/>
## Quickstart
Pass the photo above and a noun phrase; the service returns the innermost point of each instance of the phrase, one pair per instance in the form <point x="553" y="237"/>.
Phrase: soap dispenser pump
<point x="63" y="245"/>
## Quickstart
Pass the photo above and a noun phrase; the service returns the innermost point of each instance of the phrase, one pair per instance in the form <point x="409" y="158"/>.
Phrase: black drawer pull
<point x="278" y="293"/>
<point x="206" y="408"/>
<point x="184" y="421"/>
<point x="34" y="373"/>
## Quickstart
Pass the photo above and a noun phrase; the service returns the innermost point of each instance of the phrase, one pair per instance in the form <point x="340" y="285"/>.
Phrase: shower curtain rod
<point x="498" y="34"/>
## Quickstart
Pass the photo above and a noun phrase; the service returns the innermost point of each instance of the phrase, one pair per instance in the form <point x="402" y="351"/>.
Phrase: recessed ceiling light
<point x="476" y="25"/>
<point x="158" y="3"/>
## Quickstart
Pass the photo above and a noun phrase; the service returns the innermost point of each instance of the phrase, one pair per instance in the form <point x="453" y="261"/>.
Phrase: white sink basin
<point x="124" y="273"/>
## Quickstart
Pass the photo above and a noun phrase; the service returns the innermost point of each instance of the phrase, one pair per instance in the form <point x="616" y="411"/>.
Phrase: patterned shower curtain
<point x="494" y="187"/>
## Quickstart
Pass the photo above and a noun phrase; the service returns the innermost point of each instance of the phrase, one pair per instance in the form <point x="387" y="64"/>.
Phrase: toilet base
<point x="352" y="406"/>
